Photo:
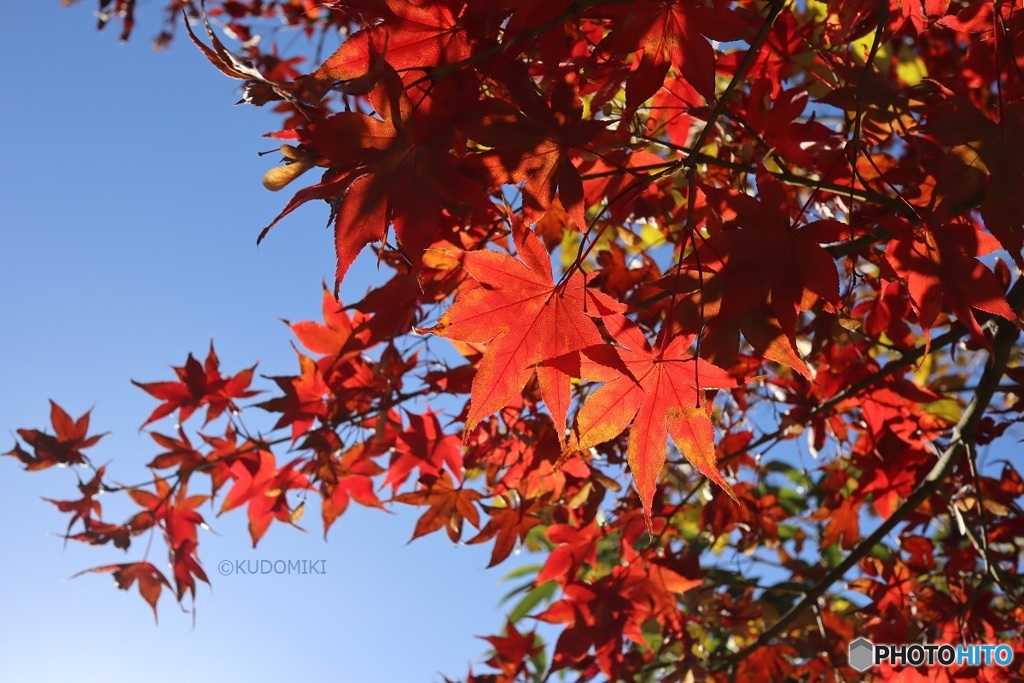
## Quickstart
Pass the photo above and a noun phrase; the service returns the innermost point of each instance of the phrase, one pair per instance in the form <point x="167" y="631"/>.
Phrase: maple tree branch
<point x="741" y="71"/>
<point x="856" y="244"/>
<point x="788" y="178"/>
<point x="980" y="543"/>
<point x="980" y="540"/>
<point x="1015" y="297"/>
<point x="693" y="157"/>
<point x="784" y="171"/>
<point x="963" y="437"/>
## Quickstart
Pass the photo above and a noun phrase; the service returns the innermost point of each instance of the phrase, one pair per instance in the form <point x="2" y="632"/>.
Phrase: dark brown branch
<point x="741" y="71"/>
<point x="955" y="334"/>
<point x="963" y="437"/>
<point x="790" y="178"/>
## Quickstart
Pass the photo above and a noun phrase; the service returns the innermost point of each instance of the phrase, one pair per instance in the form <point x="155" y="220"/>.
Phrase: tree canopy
<point x="712" y="304"/>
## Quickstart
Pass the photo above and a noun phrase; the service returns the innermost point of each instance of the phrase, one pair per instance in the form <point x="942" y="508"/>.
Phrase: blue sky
<point x="132" y="200"/>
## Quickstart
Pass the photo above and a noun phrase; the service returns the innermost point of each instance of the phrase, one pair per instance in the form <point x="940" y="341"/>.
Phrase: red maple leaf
<point x="174" y="513"/>
<point x="534" y="144"/>
<point x="392" y="168"/>
<point x="62" y="448"/>
<point x="346" y="478"/>
<point x="668" y="34"/>
<point x="988" y="146"/>
<point x="411" y="36"/>
<point x="88" y="509"/>
<point x="179" y="453"/>
<point x="941" y="269"/>
<point x="655" y="390"/>
<point x="260" y="483"/>
<point x="760" y="272"/>
<point x="513" y="650"/>
<point x="509" y="527"/>
<point x="576" y="546"/>
<point x="150" y="579"/>
<point x="336" y="339"/>
<point x="198" y="385"/>
<point x="425" y="446"/>
<point x="525" y="319"/>
<point x="302" y="401"/>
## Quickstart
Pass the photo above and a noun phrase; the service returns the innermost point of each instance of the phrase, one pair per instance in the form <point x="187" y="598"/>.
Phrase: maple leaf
<point x="336" y="339"/>
<point x="576" y="546"/>
<point x="424" y="445"/>
<point x="513" y="650"/>
<point x="178" y="518"/>
<point x="198" y="385"/>
<point x="787" y="42"/>
<point x="842" y="523"/>
<point x="525" y="319"/>
<point x="390" y="310"/>
<point x="940" y="268"/>
<point x="224" y="451"/>
<point x="179" y="453"/>
<point x="258" y="88"/>
<point x="447" y="506"/>
<point x="668" y="34"/>
<point x="150" y="579"/>
<point x="396" y="169"/>
<point x="185" y="561"/>
<point x="85" y="508"/>
<point x="657" y="391"/>
<point x="175" y="513"/>
<point x="982" y="144"/>
<point x="535" y="146"/>
<point x="509" y="526"/>
<point x="775" y="658"/>
<point x="346" y="478"/>
<point x="62" y="448"/>
<point x="411" y="36"/>
<point x="759" y="272"/>
<point x="260" y="483"/>
<point x="774" y="116"/>
<point x="597" y="616"/>
<point x="302" y="401"/>
<point x="617" y="277"/>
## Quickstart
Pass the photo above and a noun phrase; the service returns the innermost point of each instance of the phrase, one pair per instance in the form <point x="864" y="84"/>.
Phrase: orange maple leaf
<point x="525" y="319"/>
<point x="447" y="507"/>
<point x="657" y="390"/>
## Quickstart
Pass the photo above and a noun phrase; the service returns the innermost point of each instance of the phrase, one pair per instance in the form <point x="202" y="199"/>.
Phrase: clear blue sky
<point x="131" y="203"/>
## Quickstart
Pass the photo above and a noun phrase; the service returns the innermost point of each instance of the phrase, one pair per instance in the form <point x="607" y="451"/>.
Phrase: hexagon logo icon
<point x="862" y="654"/>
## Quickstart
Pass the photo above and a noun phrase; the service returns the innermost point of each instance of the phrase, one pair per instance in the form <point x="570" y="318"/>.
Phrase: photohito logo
<point x="864" y="654"/>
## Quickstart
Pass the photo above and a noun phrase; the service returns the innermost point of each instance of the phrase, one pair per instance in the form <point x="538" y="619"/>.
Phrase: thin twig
<point x="964" y="434"/>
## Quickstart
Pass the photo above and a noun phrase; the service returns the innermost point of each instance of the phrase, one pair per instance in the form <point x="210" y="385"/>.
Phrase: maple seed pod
<point x="298" y="160"/>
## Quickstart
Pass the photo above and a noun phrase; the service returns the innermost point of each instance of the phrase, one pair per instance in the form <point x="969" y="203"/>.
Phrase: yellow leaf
<point x="948" y="409"/>
<point x="910" y="67"/>
<point x="924" y="370"/>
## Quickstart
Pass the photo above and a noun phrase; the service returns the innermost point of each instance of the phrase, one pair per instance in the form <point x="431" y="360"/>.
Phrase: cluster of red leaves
<point x="787" y="228"/>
